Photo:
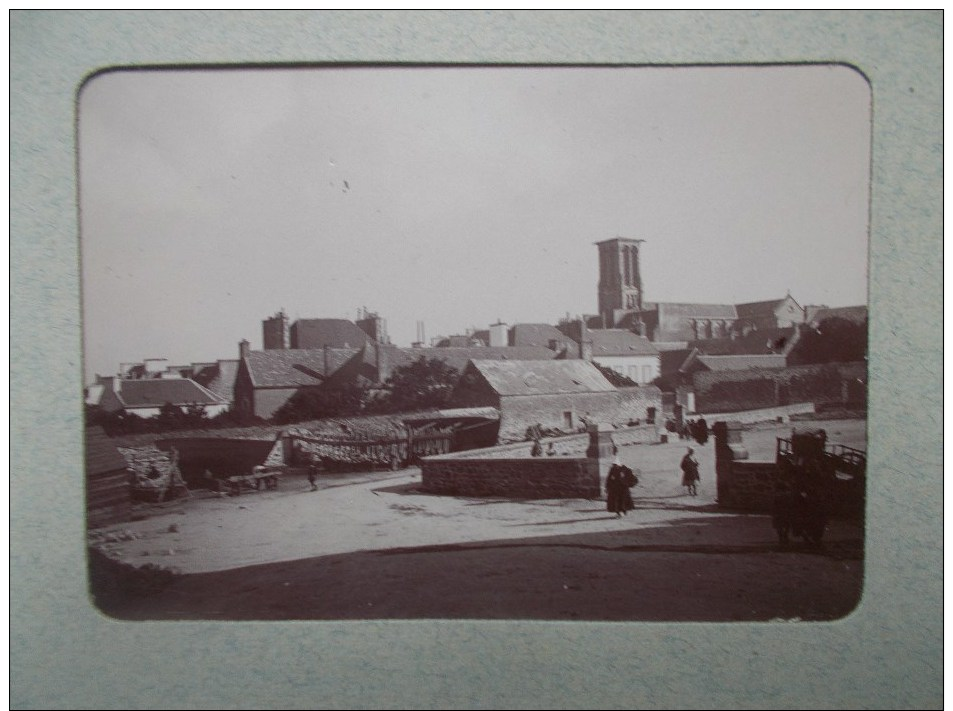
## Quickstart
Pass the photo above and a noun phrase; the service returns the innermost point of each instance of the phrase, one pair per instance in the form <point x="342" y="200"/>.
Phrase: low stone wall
<point x="769" y="414"/>
<point x="749" y="486"/>
<point x="566" y="446"/>
<point x="529" y="478"/>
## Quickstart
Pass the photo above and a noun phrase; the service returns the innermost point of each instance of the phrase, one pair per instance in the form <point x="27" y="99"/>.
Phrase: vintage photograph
<point x="475" y="342"/>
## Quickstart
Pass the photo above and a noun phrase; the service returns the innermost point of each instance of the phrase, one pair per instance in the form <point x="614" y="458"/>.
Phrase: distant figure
<point x="618" y="496"/>
<point x="551" y="450"/>
<point x="313" y="476"/>
<point x="537" y="450"/>
<point x="702" y="434"/>
<point x="690" y="472"/>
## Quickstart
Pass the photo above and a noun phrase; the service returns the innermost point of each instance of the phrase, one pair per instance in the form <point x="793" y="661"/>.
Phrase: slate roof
<point x="671" y="309"/>
<point x="457" y="413"/>
<point x="101" y="454"/>
<point x="537" y="334"/>
<point x="742" y="362"/>
<point x="672" y="361"/>
<point x="222" y="382"/>
<point x="458" y="341"/>
<point x="763" y="341"/>
<point x="619" y="342"/>
<point x="158" y="392"/>
<point x="459" y="357"/>
<point x="542" y="377"/>
<point x="758" y="308"/>
<point x="294" y="367"/>
<point x="320" y="332"/>
<point x="857" y="314"/>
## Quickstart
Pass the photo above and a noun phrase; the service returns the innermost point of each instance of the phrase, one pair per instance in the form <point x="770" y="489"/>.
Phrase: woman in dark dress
<point x="690" y="472"/>
<point x="618" y="496"/>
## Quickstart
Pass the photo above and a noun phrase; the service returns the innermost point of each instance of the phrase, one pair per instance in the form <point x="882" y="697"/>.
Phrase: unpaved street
<point x="373" y="545"/>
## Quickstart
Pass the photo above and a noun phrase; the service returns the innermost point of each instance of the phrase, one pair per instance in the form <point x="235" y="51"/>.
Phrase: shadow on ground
<point x="710" y="568"/>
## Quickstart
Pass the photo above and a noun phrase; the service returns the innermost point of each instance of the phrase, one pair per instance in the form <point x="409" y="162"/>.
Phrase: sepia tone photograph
<point x="473" y="342"/>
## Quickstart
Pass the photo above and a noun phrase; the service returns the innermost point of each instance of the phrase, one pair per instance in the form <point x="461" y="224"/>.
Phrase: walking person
<point x="618" y="496"/>
<point x="690" y="472"/>
<point x="313" y="476"/>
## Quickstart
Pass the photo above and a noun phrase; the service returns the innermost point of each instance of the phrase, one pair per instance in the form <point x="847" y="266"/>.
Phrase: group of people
<point x="695" y="429"/>
<point x="537" y="450"/>
<point x="621" y="479"/>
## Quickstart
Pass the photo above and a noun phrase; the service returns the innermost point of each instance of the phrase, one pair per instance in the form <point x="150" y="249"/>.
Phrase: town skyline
<point x="456" y="196"/>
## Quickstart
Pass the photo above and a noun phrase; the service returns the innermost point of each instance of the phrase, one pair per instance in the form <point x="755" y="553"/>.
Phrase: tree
<point x="332" y="400"/>
<point x="421" y="385"/>
<point x="835" y="340"/>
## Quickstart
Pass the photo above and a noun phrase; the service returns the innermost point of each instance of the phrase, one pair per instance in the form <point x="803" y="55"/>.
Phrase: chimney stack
<point x="244" y="347"/>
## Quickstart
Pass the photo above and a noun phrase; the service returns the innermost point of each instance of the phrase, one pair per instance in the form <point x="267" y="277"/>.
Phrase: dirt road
<point x="375" y="546"/>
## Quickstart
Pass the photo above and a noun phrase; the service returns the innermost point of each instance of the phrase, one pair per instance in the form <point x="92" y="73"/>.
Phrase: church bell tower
<point x="620" y="283"/>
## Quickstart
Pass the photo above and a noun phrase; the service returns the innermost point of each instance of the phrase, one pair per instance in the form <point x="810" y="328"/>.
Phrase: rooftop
<point x="542" y="377"/>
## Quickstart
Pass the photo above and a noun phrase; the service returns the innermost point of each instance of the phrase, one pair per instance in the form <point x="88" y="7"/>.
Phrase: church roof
<point x="687" y="310"/>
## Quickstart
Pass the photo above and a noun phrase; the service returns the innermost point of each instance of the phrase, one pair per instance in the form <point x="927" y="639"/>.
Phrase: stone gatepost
<point x="601" y="450"/>
<point x="728" y="449"/>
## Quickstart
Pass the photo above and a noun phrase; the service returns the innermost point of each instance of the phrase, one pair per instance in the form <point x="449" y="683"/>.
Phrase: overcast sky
<point x="456" y="196"/>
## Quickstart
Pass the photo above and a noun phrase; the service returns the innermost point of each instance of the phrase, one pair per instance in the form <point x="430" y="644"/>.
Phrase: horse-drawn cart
<point x="815" y="480"/>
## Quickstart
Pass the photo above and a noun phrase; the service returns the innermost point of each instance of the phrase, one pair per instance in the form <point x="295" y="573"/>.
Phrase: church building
<point x="671" y="325"/>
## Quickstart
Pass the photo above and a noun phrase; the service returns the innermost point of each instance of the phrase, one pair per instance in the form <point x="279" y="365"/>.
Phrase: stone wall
<point x="532" y="478"/>
<point x="519" y="412"/>
<point x="755" y="388"/>
<point x="770" y="414"/>
<point x="617" y="407"/>
<point x="634" y="404"/>
<point x="749" y="486"/>
<point x="742" y="484"/>
<point x="518" y="475"/>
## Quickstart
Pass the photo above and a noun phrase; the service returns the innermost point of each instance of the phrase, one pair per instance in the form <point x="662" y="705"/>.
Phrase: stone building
<point x="146" y="397"/>
<point x="556" y="394"/>
<point x="267" y="379"/>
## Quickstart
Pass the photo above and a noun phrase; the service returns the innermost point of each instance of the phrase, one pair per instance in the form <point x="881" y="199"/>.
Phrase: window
<point x="567" y="419"/>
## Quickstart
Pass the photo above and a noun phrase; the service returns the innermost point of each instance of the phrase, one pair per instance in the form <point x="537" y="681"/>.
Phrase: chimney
<point x="374" y="326"/>
<point x="244" y="348"/>
<point x="381" y="363"/>
<point x="275" y="332"/>
<point x="498" y="334"/>
<point x="585" y="341"/>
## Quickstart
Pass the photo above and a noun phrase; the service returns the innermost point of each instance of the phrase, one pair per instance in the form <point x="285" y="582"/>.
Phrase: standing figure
<point x="313" y="476"/>
<point x="690" y="472"/>
<point x="537" y="450"/>
<point x="702" y="435"/>
<point x="618" y="497"/>
<point x="551" y="450"/>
